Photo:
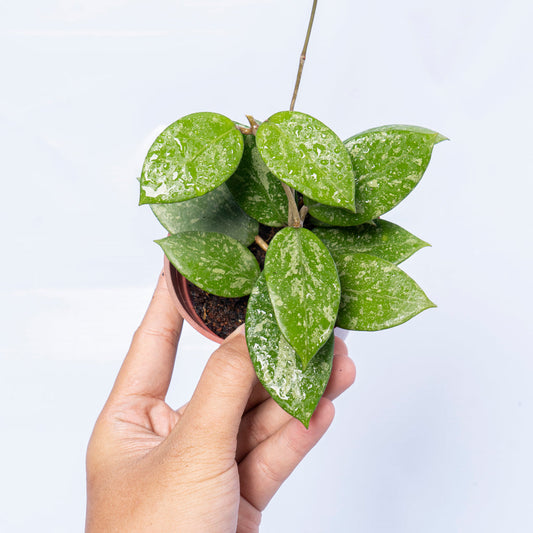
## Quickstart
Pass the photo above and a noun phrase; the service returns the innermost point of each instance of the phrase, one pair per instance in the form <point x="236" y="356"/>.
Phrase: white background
<point x="435" y="436"/>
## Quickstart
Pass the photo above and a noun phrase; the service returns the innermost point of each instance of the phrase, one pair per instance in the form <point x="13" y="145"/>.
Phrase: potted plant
<point x="282" y="219"/>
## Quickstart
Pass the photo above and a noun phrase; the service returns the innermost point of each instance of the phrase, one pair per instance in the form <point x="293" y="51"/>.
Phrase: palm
<point x="142" y="423"/>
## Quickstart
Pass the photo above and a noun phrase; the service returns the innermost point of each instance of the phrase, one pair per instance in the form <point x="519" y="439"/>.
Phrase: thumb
<point x="214" y="413"/>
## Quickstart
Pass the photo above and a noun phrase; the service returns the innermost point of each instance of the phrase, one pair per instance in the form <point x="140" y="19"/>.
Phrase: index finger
<point x="148" y="366"/>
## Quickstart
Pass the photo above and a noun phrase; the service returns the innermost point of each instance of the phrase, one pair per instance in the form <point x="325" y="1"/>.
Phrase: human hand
<point x="211" y="466"/>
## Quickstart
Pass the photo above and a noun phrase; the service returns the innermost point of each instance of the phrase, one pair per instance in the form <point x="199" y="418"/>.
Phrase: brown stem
<point x="303" y="213"/>
<point x="302" y="56"/>
<point x="244" y="130"/>
<point x="261" y="243"/>
<point x="253" y="124"/>
<point x="294" y="216"/>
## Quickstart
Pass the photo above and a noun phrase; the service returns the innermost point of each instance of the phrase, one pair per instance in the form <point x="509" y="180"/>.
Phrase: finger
<point x="265" y="468"/>
<point x="264" y="420"/>
<point x="249" y="517"/>
<point x="214" y="412"/>
<point x="181" y="409"/>
<point x="342" y="376"/>
<point x="340" y="348"/>
<point x="148" y="366"/>
<point x="258" y="396"/>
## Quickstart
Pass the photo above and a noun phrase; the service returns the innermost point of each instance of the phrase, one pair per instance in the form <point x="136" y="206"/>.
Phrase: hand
<point x="211" y="466"/>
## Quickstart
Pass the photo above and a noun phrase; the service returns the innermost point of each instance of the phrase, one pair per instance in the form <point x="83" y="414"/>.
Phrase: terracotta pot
<point x="179" y="292"/>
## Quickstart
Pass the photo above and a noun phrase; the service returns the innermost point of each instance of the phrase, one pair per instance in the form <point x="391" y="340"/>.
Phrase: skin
<point x="212" y="465"/>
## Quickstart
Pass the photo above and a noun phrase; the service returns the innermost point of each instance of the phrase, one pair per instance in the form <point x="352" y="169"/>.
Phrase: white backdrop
<point x="436" y="433"/>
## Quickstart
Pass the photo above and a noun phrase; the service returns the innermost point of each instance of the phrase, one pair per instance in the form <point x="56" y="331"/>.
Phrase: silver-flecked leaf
<point x="304" y="289"/>
<point x="376" y="294"/>
<point x="214" y="262"/>
<point x="256" y="189"/>
<point x="193" y="156"/>
<point x="315" y="223"/>
<point x="215" y="211"/>
<point x="388" y="161"/>
<point x="305" y="154"/>
<point x="332" y="216"/>
<point x="379" y="238"/>
<point x="279" y="369"/>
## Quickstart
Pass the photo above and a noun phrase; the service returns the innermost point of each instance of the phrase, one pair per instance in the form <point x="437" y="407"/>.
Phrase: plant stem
<point x="296" y="218"/>
<point x="244" y="130"/>
<point x="302" y="56"/>
<point x="253" y="124"/>
<point x="261" y="243"/>
<point x="303" y="213"/>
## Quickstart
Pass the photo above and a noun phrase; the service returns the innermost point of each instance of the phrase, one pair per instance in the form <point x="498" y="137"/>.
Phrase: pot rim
<point x="179" y="293"/>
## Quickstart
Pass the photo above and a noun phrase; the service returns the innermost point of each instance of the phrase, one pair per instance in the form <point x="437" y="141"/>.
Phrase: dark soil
<point x="224" y="315"/>
<point x="221" y="315"/>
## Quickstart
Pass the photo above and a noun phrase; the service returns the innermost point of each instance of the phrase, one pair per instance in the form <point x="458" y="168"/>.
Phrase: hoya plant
<point x="330" y="259"/>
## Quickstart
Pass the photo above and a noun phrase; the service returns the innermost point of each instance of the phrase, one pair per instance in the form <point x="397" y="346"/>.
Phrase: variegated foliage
<point x="211" y="183"/>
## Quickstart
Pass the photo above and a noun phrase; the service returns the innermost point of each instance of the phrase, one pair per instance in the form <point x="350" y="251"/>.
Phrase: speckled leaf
<point x="379" y="238"/>
<point x="194" y="155"/>
<point x="278" y="368"/>
<point x="308" y="156"/>
<point x="376" y="294"/>
<point x="333" y="216"/>
<point x="314" y="222"/>
<point x="216" y="211"/>
<point x="304" y="289"/>
<point x="388" y="162"/>
<point x="214" y="262"/>
<point x="256" y="189"/>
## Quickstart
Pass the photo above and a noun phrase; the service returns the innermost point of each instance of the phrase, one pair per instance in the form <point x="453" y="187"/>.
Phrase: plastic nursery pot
<point x="179" y="292"/>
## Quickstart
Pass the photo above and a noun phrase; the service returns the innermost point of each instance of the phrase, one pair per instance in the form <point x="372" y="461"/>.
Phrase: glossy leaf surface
<point x="376" y="294"/>
<point x="332" y="216"/>
<point x="388" y="163"/>
<point x="379" y="238"/>
<point x="277" y="366"/>
<point x="214" y="262"/>
<point x="215" y="211"/>
<point x="308" y="156"/>
<point x="193" y="156"/>
<point x="256" y="189"/>
<point x="304" y="289"/>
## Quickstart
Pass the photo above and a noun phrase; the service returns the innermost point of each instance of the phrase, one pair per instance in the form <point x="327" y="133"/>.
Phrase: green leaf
<point x="376" y="294"/>
<point x="315" y="223"/>
<point x="194" y="155"/>
<point x="333" y="216"/>
<point x="308" y="156"/>
<point x="257" y="190"/>
<point x="215" y="211"/>
<point x="214" y="262"/>
<point x="279" y="369"/>
<point x="304" y="289"/>
<point x="388" y="162"/>
<point x="379" y="238"/>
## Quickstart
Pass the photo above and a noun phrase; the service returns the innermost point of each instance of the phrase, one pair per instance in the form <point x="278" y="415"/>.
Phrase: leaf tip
<point x="351" y="207"/>
<point x="430" y="304"/>
<point x="439" y="138"/>
<point x="304" y="419"/>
